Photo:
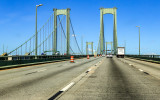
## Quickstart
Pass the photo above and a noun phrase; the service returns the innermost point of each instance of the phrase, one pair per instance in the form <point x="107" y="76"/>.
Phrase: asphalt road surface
<point x="115" y="80"/>
<point x="40" y="82"/>
<point x="151" y="68"/>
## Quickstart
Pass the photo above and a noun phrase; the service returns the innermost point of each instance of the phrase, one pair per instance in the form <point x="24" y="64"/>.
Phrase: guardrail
<point x="147" y="57"/>
<point x="15" y="60"/>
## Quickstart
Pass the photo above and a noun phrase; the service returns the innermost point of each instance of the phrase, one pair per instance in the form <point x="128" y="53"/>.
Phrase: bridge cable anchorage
<point x="64" y="32"/>
<point x="74" y="36"/>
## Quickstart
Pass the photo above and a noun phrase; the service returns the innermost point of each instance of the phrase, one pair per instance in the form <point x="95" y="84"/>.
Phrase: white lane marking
<point x="41" y="70"/>
<point x="141" y="70"/>
<point x="89" y="70"/>
<point x="68" y="86"/>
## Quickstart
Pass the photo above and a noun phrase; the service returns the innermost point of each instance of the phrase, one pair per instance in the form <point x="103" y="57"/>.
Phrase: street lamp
<point x="36" y="32"/>
<point x="139" y="38"/>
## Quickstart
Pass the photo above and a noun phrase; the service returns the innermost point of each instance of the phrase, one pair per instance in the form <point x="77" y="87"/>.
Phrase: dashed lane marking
<point x="68" y="86"/>
<point x="140" y="70"/>
<point x="91" y="69"/>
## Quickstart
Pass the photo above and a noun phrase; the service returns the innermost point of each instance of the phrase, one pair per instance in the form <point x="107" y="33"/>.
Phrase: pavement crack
<point x="31" y="72"/>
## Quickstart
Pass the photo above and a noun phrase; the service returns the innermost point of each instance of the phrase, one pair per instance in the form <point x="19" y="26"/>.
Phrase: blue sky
<point x="17" y="21"/>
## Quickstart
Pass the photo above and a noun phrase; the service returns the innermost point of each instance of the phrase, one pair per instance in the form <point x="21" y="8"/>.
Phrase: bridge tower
<point x="89" y="43"/>
<point x="112" y="11"/>
<point x="56" y="13"/>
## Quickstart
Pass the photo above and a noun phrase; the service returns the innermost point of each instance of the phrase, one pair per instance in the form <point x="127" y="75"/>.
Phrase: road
<point x="151" y="68"/>
<point x="40" y="82"/>
<point x="116" y="80"/>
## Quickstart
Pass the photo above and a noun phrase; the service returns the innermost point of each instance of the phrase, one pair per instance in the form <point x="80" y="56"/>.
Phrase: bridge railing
<point x="147" y="57"/>
<point x="29" y="57"/>
<point x="15" y="60"/>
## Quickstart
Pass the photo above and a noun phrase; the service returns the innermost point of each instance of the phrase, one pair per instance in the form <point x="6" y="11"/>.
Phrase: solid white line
<point x="67" y="87"/>
<point x="141" y="70"/>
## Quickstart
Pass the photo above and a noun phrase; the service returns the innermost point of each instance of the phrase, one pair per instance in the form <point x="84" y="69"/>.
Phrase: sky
<point x="17" y="22"/>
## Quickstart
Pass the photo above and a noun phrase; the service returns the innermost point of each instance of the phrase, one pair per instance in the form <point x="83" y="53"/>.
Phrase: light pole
<point x="139" y="39"/>
<point x="36" y="32"/>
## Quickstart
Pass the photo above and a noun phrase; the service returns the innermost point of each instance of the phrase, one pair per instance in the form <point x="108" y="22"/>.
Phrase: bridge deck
<point x="39" y="82"/>
<point x="115" y="80"/>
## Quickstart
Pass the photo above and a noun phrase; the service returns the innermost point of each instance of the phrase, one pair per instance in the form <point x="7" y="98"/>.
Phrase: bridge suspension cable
<point x="32" y="38"/>
<point x="45" y="40"/>
<point x="74" y="36"/>
<point x="64" y="32"/>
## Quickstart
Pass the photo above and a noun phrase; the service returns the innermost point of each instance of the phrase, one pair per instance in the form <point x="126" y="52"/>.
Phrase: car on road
<point x="109" y="56"/>
<point x="103" y="55"/>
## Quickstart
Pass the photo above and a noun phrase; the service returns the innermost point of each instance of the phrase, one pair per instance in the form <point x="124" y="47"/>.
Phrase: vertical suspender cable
<point x="16" y="51"/>
<point x="46" y="37"/>
<point x="30" y="46"/>
<point x="21" y="50"/>
<point x="51" y="35"/>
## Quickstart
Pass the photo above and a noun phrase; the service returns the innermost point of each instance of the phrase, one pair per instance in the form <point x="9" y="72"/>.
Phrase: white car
<point x="103" y="55"/>
<point x="109" y="56"/>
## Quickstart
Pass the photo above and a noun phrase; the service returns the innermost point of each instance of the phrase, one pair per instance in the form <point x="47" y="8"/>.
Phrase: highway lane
<point x="151" y="68"/>
<point x="115" y="80"/>
<point x="39" y="82"/>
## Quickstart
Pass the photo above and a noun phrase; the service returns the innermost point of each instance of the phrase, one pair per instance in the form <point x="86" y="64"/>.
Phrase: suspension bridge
<point x="39" y="69"/>
<point x="54" y="37"/>
<point x="57" y="37"/>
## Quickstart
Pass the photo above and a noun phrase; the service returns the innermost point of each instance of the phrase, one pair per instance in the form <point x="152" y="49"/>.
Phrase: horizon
<point x="17" y="22"/>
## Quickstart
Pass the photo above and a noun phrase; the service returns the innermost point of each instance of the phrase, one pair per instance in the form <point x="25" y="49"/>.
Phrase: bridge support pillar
<point x="89" y="43"/>
<point x="67" y="13"/>
<point x="68" y="31"/>
<point x="55" y="32"/>
<point x="86" y="48"/>
<point x="115" y="42"/>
